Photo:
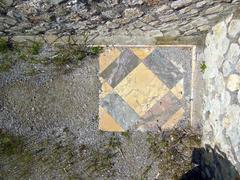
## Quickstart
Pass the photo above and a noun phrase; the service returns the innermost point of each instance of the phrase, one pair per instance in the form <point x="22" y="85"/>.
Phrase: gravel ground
<point x="49" y="130"/>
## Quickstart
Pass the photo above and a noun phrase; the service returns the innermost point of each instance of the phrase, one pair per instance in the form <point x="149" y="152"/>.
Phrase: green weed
<point x="31" y="71"/>
<point x="114" y="142"/>
<point x="3" y="45"/>
<point x="5" y="66"/>
<point x="203" y="66"/>
<point x="126" y="134"/>
<point x="100" y="163"/>
<point x="96" y="50"/>
<point x="36" y="47"/>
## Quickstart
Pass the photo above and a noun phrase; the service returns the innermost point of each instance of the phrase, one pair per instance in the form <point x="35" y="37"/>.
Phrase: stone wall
<point x="222" y="84"/>
<point x="112" y="17"/>
<point x="135" y="19"/>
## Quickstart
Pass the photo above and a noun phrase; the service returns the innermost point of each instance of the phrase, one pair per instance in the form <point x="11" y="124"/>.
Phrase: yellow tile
<point x="106" y="88"/>
<point x="107" y="57"/>
<point x="142" y="53"/>
<point x="141" y="89"/>
<point x="173" y="121"/>
<point x="107" y="123"/>
<point x="178" y="89"/>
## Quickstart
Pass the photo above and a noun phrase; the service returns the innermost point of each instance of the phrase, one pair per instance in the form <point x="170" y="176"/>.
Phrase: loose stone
<point x="180" y="3"/>
<point x="226" y="69"/>
<point x="234" y="28"/>
<point x="132" y="13"/>
<point x="233" y="53"/>
<point x="233" y="82"/>
<point x="200" y="4"/>
<point x="133" y="2"/>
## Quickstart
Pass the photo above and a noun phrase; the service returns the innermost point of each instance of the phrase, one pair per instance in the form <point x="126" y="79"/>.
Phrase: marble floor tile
<point x="144" y="88"/>
<point x="163" y="68"/>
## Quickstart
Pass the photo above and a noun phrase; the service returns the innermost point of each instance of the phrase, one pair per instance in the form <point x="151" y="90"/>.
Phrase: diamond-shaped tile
<point x="142" y="53"/>
<point x="163" y="109"/>
<point x="106" y="88"/>
<point x="121" y="67"/>
<point x="107" y="123"/>
<point x="178" y="89"/>
<point x="163" y="68"/>
<point x="119" y="110"/>
<point x="107" y="57"/>
<point x="173" y="120"/>
<point x="141" y="89"/>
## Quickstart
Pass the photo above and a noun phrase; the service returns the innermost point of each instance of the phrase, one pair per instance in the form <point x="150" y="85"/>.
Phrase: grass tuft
<point x="36" y="47"/>
<point x="3" y="45"/>
<point x="96" y="50"/>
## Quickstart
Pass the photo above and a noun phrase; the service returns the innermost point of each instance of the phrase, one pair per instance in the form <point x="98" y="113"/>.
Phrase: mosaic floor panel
<point x="145" y="88"/>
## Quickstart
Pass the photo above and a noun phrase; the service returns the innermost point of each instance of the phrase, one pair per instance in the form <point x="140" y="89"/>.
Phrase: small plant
<point x="36" y="47"/>
<point x="100" y="163"/>
<point x="3" y="45"/>
<point x="126" y="134"/>
<point x="156" y="143"/>
<point x="95" y="50"/>
<point x="203" y="66"/>
<point x="69" y="54"/>
<point x="5" y="67"/>
<point x="114" y="143"/>
<point x="145" y="172"/>
<point x="31" y="71"/>
<point x="6" y="62"/>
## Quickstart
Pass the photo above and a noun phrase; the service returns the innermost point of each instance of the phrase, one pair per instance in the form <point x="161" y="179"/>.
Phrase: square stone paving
<point x="145" y="88"/>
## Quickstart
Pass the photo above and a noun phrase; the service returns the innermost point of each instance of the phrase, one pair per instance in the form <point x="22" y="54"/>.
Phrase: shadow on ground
<point x="211" y="164"/>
